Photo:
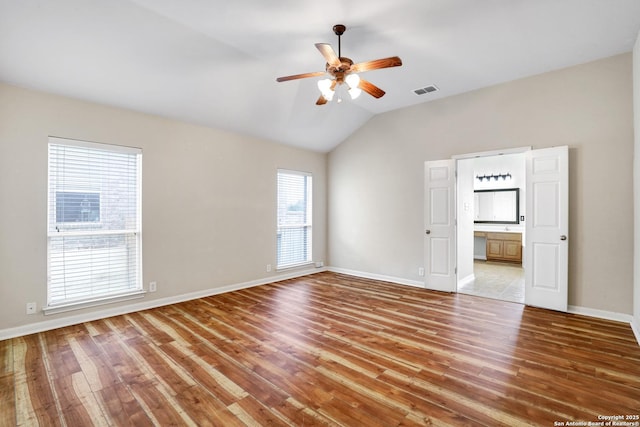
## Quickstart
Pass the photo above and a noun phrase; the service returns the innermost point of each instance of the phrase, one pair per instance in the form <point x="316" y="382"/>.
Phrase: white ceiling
<point x="215" y="62"/>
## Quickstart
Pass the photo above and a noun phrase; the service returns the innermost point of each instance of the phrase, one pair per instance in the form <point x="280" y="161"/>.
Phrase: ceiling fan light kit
<point x="342" y="70"/>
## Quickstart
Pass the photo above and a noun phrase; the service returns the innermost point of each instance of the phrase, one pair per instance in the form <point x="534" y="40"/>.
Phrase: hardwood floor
<point x="326" y="349"/>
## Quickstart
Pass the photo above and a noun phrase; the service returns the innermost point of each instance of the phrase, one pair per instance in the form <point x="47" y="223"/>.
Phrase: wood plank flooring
<point x="324" y="350"/>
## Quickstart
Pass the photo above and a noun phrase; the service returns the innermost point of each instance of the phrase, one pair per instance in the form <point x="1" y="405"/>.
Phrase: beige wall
<point x="376" y="176"/>
<point x="208" y="198"/>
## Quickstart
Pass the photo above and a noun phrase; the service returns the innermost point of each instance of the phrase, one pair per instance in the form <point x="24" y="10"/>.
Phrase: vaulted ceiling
<point x="215" y="62"/>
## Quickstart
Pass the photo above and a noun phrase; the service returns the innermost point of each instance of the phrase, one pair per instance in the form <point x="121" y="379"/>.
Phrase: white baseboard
<point x="608" y="315"/>
<point x="46" y="325"/>
<point x="600" y="314"/>
<point x="374" y="276"/>
<point x="635" y="327"/>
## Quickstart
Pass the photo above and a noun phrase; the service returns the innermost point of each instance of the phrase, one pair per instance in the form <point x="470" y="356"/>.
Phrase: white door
<point x="439" y="212"/>
<point x="547" y="226"/>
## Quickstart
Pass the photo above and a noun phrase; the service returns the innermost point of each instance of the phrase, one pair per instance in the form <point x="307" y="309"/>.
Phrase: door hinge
<point x="455" y="270"/>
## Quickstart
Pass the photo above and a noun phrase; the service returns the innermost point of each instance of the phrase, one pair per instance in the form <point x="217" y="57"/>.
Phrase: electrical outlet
<point x="268" y="268"/>
<point x="421" y="271"/>
<point x="319" y="264"/>
<point x="152" y="286"/>
<point x="31" y="307"/>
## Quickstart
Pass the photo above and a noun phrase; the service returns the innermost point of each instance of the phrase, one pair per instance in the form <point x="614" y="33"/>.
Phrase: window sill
<point x="79" y="305"/>
<point x="292" y="266"/>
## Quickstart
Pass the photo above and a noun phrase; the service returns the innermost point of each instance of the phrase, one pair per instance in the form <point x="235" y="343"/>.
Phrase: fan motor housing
<point x="343" y="69"/>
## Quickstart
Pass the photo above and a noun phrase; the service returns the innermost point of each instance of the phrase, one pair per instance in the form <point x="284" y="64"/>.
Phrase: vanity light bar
<point x="495" y="177"/>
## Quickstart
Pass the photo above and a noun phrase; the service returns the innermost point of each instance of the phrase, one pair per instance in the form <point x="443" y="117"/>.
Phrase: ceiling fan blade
<point x="376" y="64"/>
<point x="300" y="76"/>
<point x="371" y="89"/>
<point x="329" y="54"/>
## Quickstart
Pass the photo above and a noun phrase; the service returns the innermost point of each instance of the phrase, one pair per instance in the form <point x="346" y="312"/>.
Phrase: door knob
<point x="563" y="237"/>
<point x="428" y="231"/>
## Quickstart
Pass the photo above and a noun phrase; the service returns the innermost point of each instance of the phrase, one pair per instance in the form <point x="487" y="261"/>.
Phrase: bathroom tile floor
<point x="496" y="280"/>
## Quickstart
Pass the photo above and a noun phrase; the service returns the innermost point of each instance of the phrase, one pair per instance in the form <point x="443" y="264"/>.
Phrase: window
<point x="74" y="206"/>
<point x="93" y="222"/>
<point x="294" y="218"/>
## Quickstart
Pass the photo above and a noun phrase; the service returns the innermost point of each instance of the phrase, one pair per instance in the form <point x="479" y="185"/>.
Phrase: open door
<point x="439" y="213"/>
<point x="546" y="246"/>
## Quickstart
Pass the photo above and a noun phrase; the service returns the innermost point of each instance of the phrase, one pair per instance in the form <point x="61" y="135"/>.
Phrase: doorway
<point x="449" y="226"/>
<point x="491" y="199"/>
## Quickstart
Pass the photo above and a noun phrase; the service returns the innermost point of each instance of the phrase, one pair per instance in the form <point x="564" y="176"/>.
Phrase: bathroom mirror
<point x="499" y="206"/>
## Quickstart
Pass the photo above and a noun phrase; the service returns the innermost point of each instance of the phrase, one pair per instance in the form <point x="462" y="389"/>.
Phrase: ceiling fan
<point x="343" y="71"/>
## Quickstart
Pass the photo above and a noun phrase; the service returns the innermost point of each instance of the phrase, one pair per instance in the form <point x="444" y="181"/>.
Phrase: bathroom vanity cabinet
<point x="502" y="246"/>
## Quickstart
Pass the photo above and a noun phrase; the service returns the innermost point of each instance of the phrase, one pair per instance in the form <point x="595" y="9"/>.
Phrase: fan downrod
<point x="339" y="30"/>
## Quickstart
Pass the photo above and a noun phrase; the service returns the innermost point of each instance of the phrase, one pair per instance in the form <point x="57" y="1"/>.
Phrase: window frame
<point x="57" y="232"/>
<point x="307" y="226"/>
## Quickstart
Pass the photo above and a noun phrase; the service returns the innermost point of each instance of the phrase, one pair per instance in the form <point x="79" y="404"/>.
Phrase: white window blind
<point x="93" y="221"/>
<point x="294" y="218"/>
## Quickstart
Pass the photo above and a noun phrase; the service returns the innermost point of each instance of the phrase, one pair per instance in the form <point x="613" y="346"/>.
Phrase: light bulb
<point x="353" y="80"/>
<point x="328" y="95"/>
<point x="324" y="86"/>
<point x="355" y="92"/>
